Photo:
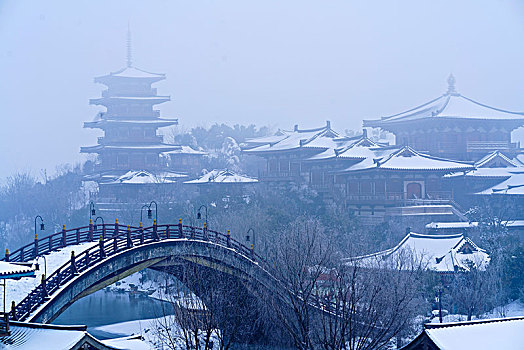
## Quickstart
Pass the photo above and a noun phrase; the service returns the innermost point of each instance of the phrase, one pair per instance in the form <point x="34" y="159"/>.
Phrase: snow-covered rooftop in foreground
<point x="505" y="333"/>
<point x="441" y="253"/>
<point x="49" y="337"/>
<point x="222" y="176"/>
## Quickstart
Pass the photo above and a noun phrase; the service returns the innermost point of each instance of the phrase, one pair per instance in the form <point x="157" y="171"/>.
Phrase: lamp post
<point x="92" y="211"/>
<point x="101" y="219"/>
<point x="199" y="214"/>
<point x="42" y="226"/>
<point x="37" y="265"/>
<point x="149" y="211"/>
<point x="254" y="238"/>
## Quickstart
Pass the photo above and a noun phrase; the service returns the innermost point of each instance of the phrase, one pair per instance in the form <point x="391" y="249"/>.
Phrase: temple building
<point x="454" y="126"/>
<point x="130" y="124"/>
<point x="286" y="153"/>
<point x="401" y="182"/>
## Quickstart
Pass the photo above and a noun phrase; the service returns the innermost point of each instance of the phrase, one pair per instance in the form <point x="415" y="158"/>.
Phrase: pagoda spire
<point x="129" y="57"/>
<point x="451" y="85"/>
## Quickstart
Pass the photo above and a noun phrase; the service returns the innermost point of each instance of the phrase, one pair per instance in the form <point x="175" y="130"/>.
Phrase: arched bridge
<point x="122" y="251"/>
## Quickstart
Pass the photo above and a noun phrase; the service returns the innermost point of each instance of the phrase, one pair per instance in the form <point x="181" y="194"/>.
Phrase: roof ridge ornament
<point x="451" y="85"/>
<point x="129" y="52"/>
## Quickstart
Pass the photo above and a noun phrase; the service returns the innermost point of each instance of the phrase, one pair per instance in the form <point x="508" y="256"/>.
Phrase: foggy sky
<point x="275" y="63"/>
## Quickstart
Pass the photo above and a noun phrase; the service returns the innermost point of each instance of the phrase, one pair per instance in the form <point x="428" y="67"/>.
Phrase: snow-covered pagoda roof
<point x="440" y="253"/>
<point x="156" y="122"/>
<point x="135" y="99"/>
<point x="161" y="147"/>
<point x="224" y="177"/>
<point x="47" y="336"/>
<point x="497" y="333"/>
<point x="450" y="105"/>
<point x="319" y="138"/>
<point x="407" y="159"/>
<point x="130" y="72"/>
<point x="143" y="177"/>
<point x="514" y="185"/>
<point x="13" y="270"/>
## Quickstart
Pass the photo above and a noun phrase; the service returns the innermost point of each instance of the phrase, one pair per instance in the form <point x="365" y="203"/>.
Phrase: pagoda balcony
<point x="132" y="115"/>
<point x="130" y="139"/>
<point x="143" y="93"/>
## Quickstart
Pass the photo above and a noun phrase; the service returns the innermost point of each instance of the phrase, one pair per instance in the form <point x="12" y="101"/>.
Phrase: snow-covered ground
<point x="18" y="289"/>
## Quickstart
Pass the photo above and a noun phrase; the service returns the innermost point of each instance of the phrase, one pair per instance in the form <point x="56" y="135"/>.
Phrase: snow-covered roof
<point x="408" y="159"/>
<point x="46" y="337"/>
<point x="157" y="122"/>
<point x="144" y="99"/>
<point x="187" y="150"/>
<point x="495" y="157"/>
<point x="359" y="148"/>
<point x="222" y="176"/>
<point x="319" y="138"/>
<point x="161" y="147"/>
<point x="143" y="177"/>
<point x="441" y="253"/>
<point x="502" y="333"/>
<point x="14" y="270"/>
<point x="514" y="185"/>
<point x="134" y="342"/>
<point x="450" y="105"/>
<point x="131" y="72"/>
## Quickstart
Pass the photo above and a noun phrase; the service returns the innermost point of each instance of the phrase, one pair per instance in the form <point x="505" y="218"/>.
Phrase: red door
<point x="414" y="190"/>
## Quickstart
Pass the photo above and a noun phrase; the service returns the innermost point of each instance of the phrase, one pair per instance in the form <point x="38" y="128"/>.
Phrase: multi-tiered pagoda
<point x="130" y="124"/>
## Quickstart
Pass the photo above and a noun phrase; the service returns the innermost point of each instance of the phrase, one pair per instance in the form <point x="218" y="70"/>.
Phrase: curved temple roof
<point x="450" y="105"/>
<point x="441" y="253"/>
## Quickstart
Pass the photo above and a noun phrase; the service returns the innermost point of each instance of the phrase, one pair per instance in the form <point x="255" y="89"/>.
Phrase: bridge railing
<point x="112" y="239"/>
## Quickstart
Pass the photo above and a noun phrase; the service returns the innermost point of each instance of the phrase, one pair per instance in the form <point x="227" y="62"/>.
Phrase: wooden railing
<point x="112" y="239"/>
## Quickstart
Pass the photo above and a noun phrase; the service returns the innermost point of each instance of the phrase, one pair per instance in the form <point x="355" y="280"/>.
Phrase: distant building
<point x="130" y="124"/>
<point x="185" y="159"/>
<point x="400" y="182"/>
<point x="224" y="183"/>
<point x="438" y="253"/>
<point x="453" y="126"/>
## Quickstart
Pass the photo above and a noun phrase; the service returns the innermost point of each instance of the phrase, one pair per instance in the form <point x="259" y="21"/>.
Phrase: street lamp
<point x="199" y="214"/>
<point x="150" y="211"/>
<point x="101" y="218"/>
<point x="42" y="227"/>
<point x="254" y="237"/>
<point x="92" y="211"/>
<point x="37" y="265"/>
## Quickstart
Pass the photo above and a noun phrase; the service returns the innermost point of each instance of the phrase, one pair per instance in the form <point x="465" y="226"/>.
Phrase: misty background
<point x="275" y="63"/>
